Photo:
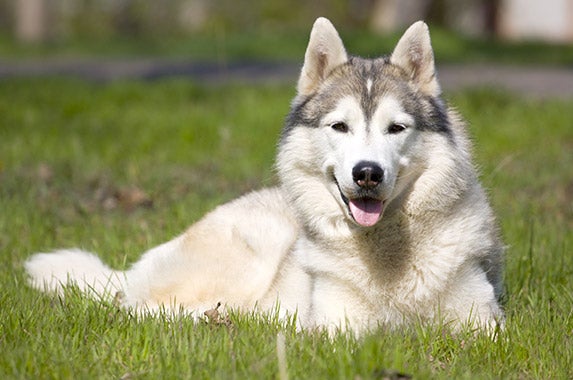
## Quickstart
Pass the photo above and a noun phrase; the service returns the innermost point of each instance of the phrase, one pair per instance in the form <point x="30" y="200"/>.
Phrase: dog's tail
<point x="52" y="272"/>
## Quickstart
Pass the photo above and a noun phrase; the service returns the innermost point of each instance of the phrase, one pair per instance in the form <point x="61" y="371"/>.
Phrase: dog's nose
<point x="367" y="174"/>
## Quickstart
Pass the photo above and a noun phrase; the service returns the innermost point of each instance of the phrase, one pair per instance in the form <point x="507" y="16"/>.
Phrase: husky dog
<point x="379" y="218"/>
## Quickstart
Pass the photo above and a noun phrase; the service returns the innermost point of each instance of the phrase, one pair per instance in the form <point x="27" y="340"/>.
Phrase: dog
<point x="379" y="218"/>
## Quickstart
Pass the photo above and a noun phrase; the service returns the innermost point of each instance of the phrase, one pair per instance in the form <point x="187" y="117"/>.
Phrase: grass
<point x="69" y="149"/>
<point x="222" y="46"/>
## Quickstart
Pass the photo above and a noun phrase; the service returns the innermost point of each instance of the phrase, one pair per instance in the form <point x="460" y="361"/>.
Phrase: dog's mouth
<point x="365" y="210"/>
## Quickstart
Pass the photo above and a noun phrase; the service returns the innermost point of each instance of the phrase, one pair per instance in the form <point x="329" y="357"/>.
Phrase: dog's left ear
<point x="325" y="51"/>
<point x="414" y="54"/>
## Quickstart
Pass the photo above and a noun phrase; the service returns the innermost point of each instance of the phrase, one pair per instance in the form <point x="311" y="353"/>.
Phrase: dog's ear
<point x="325" y="51"/>
<point x="414" y="54"/>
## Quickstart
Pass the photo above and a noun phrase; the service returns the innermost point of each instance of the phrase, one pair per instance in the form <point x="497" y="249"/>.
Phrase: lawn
<point x="232" y="46"/>
<point x="118" y="168"/>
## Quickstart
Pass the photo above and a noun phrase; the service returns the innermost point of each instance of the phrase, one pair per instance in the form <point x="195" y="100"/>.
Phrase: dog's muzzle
<point x="365" y="205"/>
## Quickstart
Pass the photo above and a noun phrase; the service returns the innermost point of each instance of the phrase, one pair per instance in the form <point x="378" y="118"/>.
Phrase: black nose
<point x="367" y="174"/>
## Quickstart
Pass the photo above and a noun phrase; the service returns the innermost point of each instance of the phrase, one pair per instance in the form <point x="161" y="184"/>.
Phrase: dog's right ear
<point x="325" y="51"/>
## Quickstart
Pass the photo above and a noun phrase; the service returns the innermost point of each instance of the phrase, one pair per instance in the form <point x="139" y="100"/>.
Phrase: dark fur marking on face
<point x="298" y="116"/>
<point x="430" y="113"/>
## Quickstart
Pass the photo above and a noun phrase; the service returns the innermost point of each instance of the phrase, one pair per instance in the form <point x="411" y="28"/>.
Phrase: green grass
<point x="67" y="148"/>
<point x="221" y="46"/>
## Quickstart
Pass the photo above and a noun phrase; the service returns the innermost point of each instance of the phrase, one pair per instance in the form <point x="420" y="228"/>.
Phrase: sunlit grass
<point x="67" y="149"/>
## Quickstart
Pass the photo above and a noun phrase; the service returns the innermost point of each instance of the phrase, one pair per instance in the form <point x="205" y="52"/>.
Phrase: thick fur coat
<point x="379" y="218"/>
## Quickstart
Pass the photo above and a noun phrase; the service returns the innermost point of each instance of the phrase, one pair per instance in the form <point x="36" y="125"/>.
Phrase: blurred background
<point x="57" y="24"/>
<point x="265" y="39"/>
<point x="34" y="21"/>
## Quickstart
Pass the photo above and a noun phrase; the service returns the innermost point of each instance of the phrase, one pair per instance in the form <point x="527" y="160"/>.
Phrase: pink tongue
<point x="365" y="211"/>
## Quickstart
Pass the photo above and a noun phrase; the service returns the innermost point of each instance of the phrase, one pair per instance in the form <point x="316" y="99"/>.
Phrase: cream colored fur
<point x="433" y="255"/>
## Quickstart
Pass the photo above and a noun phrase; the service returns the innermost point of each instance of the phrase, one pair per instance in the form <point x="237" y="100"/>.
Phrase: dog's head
<point x="354" y="138"/>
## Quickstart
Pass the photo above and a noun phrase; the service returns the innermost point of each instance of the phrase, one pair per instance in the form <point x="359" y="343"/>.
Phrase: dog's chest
<point x="380" y="273"/>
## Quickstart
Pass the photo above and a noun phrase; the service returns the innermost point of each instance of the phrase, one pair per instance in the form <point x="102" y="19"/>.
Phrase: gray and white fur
<point x="379" y="218"/>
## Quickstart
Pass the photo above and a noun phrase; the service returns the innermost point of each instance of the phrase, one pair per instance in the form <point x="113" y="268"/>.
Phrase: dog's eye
<point x="340" y="127"/>
<point x="396" y="128"/>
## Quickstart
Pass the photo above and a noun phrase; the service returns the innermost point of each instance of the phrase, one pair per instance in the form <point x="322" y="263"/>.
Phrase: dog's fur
<point x="379" y="218"/>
